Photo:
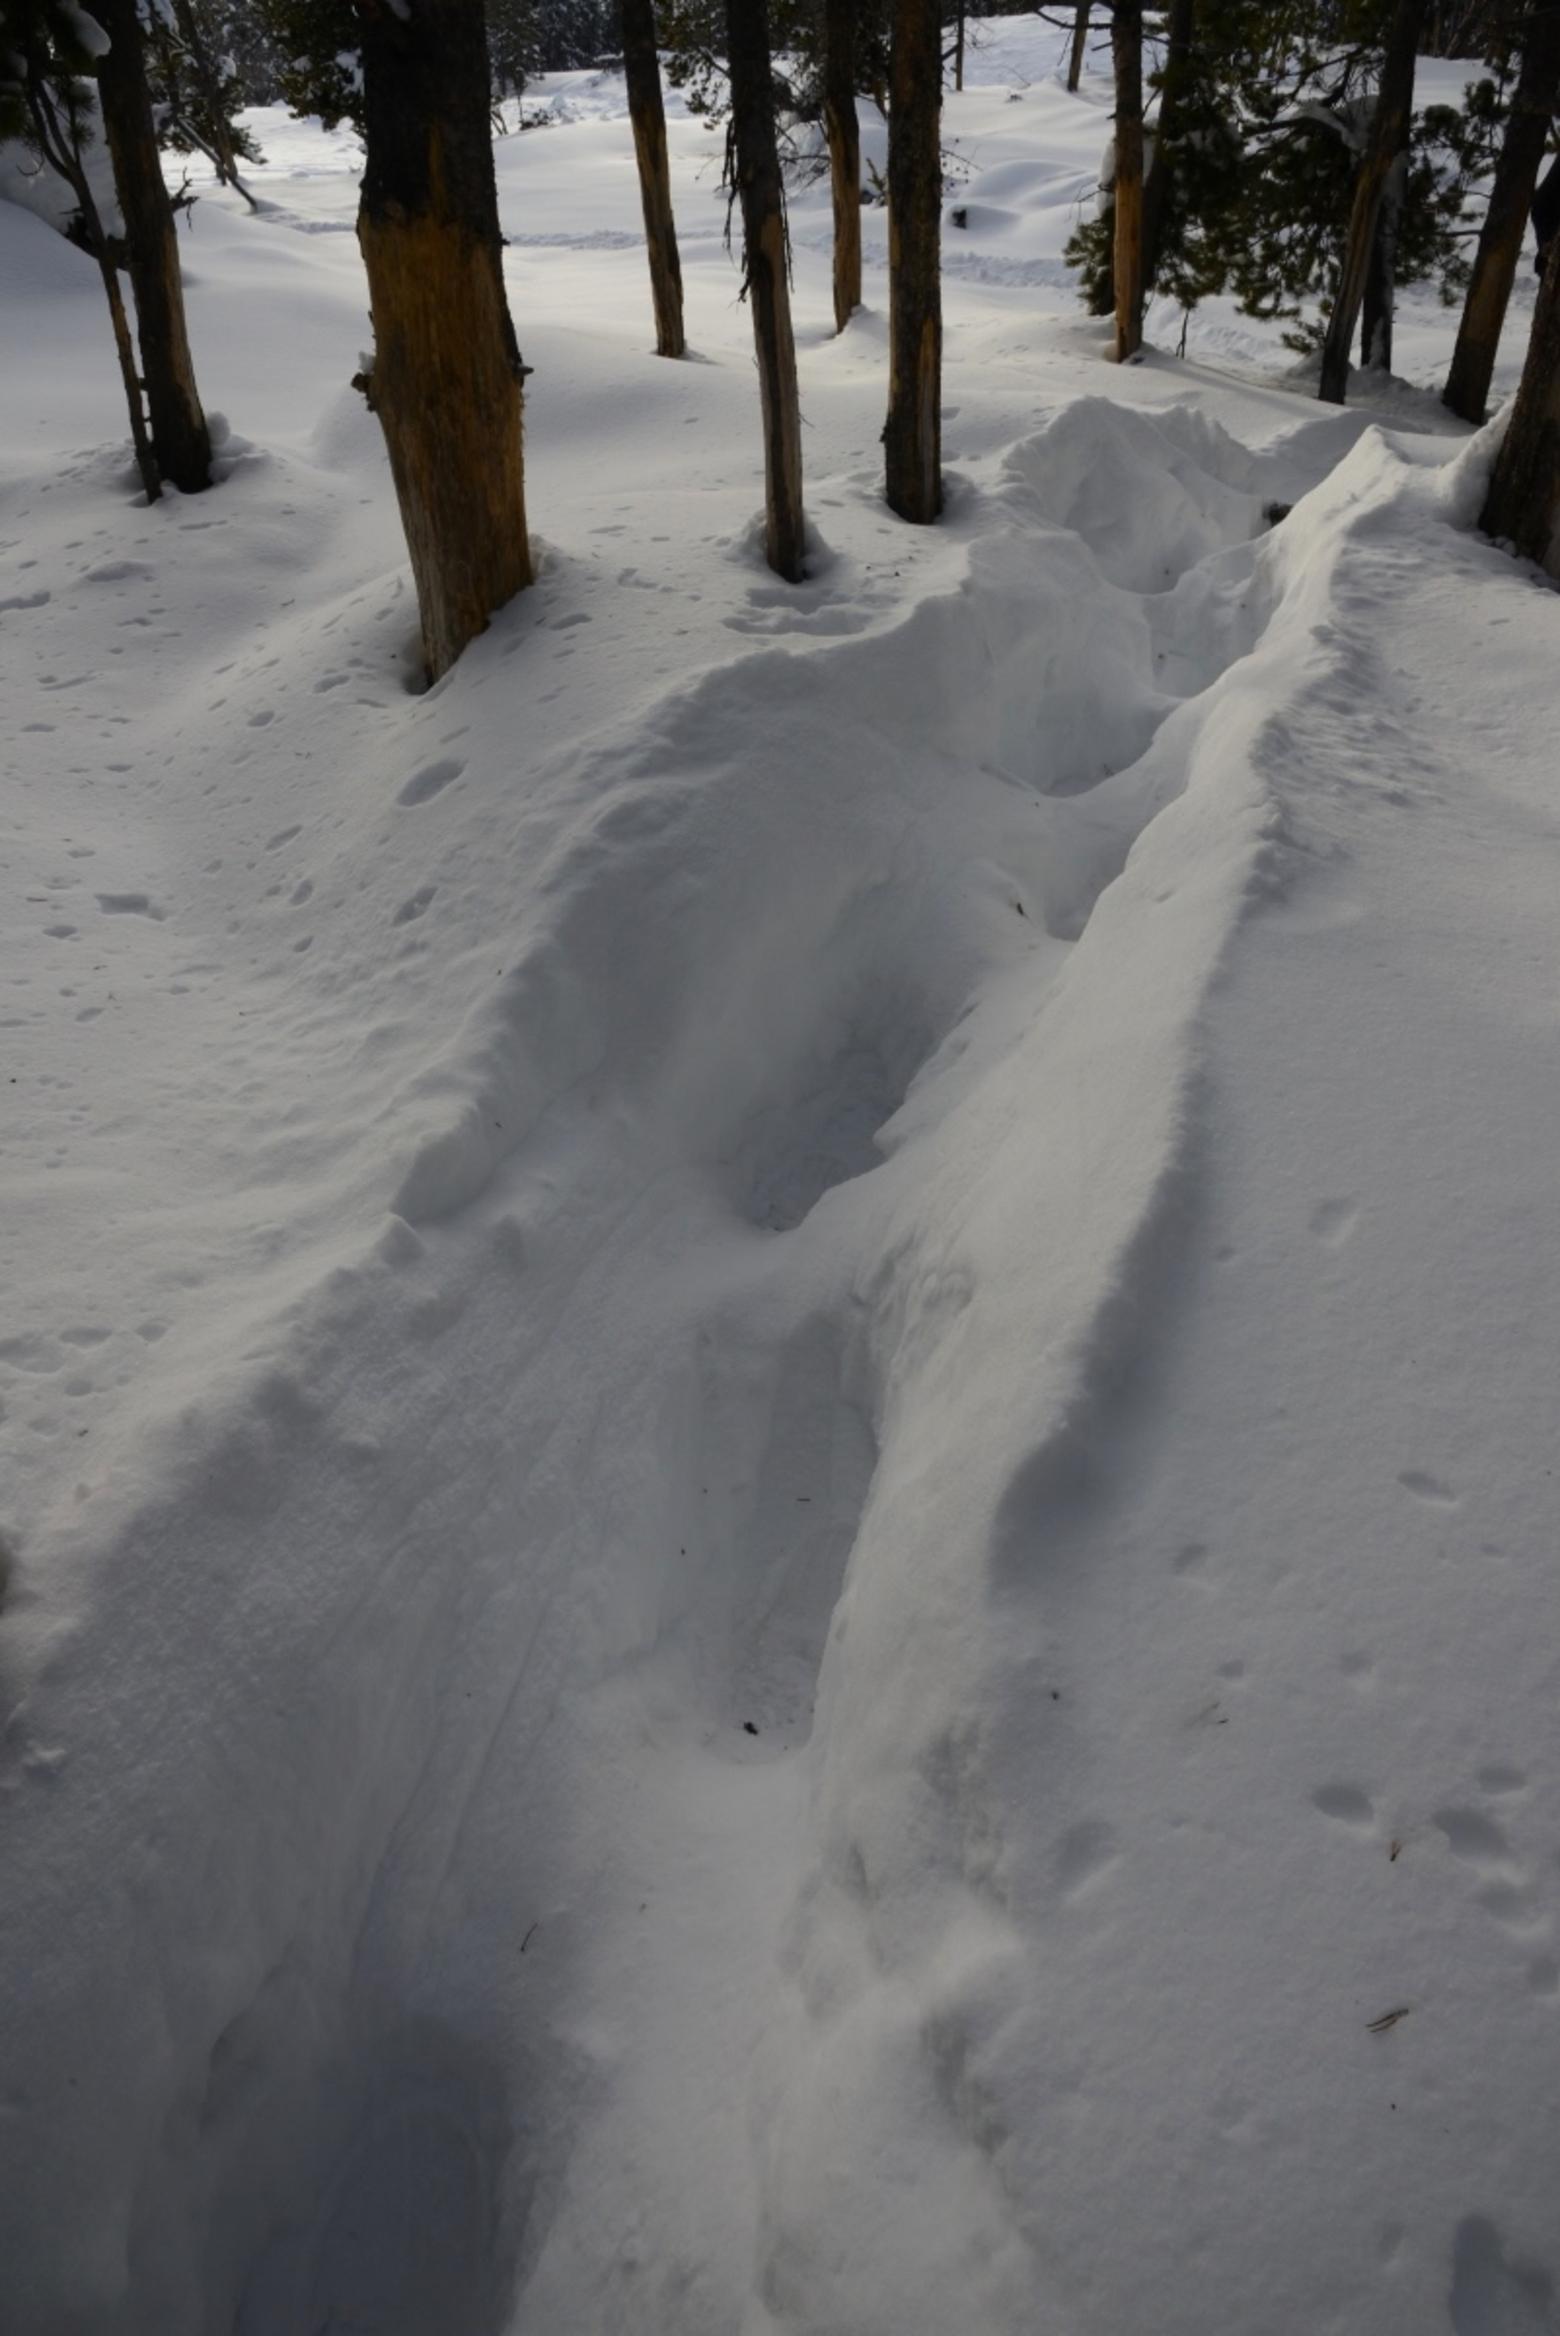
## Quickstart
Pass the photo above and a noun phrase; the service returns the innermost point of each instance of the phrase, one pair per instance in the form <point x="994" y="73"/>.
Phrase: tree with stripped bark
<point x="842" y="133"/>
<point x="753" y="177"/>
<point x="912" y="435"/>
<point x="1533" y="105"/>
<point x="1126" y="39"/>
<point x="1523" y="504"/>
<point x="647" y="113"/>
<point x="445" y="378"/>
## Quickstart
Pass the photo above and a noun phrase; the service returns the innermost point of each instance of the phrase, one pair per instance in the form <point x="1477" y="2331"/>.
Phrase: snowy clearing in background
<point x="778" y="1401"/>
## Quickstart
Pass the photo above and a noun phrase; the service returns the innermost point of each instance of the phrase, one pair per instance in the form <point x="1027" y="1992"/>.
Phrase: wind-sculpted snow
<point x="776" y="1551"/>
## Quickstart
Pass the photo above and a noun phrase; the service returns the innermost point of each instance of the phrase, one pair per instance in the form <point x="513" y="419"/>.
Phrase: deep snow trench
<point x="777" y="1547"/>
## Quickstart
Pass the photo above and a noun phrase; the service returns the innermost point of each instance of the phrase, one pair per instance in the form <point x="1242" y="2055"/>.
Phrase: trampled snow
<point x="779" y="1383"/>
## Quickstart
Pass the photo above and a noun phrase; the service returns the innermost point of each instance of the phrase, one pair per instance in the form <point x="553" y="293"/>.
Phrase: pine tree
<point x="1383" y="162"/>
<point x="46" y="99"/>
<point x="912" y="434"/>
<point x="180" y="438"/>
<point x="843" y="134"/>
<point x="1126" y="38"/>
<point x="445" y="378"/>
<point x="642" y="72"/>
<point x="1500" y="242"/>
<point x="753" y="174"/>
<point x="1080" y="42"/>
<point x="1523" y="504"/>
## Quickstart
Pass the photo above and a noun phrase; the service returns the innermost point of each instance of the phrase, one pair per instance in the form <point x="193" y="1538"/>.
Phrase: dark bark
<point x="642" y="71"/>
<point x="1500" y="242"/>
<point x="754" y="165"/>
<point x="843" y="132"/>
<point x="1387" y="140"/>
<point x="958" y="47"/>
<point x="1080" y="42"/>
<point x="1381" y="284"/>
<point x="1172" y="83"/>
<point x="58" y="145"/>
<point x="178" y="426"/>
<point x="1126" y="34"/>
<point x="446" y="375"/>
<point x="912" y="435"/>
<point x="1523" y="506"/>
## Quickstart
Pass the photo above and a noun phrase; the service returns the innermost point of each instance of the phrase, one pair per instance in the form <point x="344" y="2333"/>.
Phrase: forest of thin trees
<point x="1274" y="153"/>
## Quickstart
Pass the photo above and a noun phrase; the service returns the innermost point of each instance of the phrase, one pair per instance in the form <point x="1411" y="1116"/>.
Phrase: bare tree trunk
<point x="1156" y="190"/>
<point x="754" y="169"/>
<point x="179" y="434"/>
<point x="1505" y="223"/>
<point x="642" y="71"/>
<point x="1376" y="315"/>
<point x="1126" y="33"/>
<point x="958" y="47"/>
<point x="843" y="132"/>
<point x="912" y="434"/>
<point x="1080" y="42"/>
<point x="1388" y="139"/>
<point x="1523" y="506"/>
<point x="57" y="142"/>
<point x="446" y="375"/>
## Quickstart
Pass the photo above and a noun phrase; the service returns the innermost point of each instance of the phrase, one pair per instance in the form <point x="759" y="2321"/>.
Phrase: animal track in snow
<point x="1477" y="1840"/>
<point x="131" y="904"/>
<point x="1428" y="1489"/>
<point x="1346" y="1805"/>
<point x="410" y="910"/>
<point x="1332" y="1221"/>
<point x="431" y="780"/>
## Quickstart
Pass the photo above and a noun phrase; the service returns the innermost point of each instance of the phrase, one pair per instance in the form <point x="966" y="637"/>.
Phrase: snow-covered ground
<point x="779" y="1385"/>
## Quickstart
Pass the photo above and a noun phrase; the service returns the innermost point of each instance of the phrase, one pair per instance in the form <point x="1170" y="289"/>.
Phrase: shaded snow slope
<point x="777" y="1408"/>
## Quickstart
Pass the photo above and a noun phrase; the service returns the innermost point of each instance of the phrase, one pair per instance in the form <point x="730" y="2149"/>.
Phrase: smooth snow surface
<point x="779" y="1384"/>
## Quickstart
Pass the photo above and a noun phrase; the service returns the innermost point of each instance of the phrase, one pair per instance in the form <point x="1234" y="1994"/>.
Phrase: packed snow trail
<point x="778" y="1526"/>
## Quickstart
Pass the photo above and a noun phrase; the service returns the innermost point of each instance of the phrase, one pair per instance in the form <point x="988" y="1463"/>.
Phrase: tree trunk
<point x="59" y="146"/>
<point x="642" y="71"/>
<point x="912" y="434"/>
<point x="1388" y="139"/>
<point x="179" y="435"/>
<point x="1523" y="506"/>
<point x="1172" y="81"/>
<point x="1126" y="34"/>
<point x="958" y="47"/>
<point x="1500" y="242"/>
<point x="754" y="165"/>
<point x="446" y="375"/>
<point x="1381" y="277"/>
<point x="1080" y="42"/>
<point x="843" y="132"/>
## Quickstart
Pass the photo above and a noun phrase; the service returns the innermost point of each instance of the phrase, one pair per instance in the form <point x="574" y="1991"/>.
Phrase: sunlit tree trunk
<point x="1387" y="141"/>
<point x="1127" y="52"/>
<point x="180" y="438"/>
<point x="1523" y="506"/>
<point x="912" y="434"/>
<point x="642" y="71"/>
<point x="843" y="132"/>
<point x="755" y="170"/>
<point x="1505" y="223"/>
<point x="446" y="375"/>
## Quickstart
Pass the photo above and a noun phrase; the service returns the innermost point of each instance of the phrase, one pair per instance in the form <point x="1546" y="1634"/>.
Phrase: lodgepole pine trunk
<point x="642" y="71"/>
<point x="1505" y="223"/>
<point x="1380" y="302"/>
<point x="912" y="434"/>
<point x="1523" y="506"/>
<point x="180" y="438"/>
<point x="843" y="132"/>
<point x="1172" y="82"/>
<point x="1126" y="33"/>
<point x="753" y="164"/>
<point x="1080" y="42"/>
<point x="446" y="375"/>
<point x="958" y="48"/>
<point x="1388" y="139"/>
<point x="58" y="144"/>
